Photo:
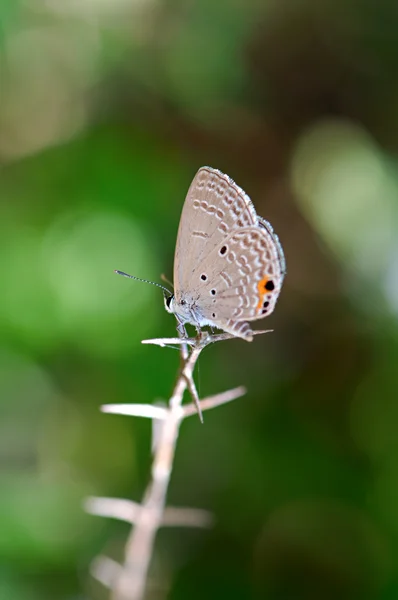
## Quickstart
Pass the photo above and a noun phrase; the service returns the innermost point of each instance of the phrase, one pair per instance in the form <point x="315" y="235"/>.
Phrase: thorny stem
<point x="128" y="582"/>
<point x="130" y="585"/>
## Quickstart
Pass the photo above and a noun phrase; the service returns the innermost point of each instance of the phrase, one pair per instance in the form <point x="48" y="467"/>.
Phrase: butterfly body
<point x="187" y="310"/>
<point x="229" y="264"/>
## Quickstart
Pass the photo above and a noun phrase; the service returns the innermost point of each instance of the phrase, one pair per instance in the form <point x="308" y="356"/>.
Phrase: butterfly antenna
<point x="144" y="281"/>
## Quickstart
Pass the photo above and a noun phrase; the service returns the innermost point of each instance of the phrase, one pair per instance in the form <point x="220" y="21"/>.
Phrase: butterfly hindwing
<point x="241" y="278"/>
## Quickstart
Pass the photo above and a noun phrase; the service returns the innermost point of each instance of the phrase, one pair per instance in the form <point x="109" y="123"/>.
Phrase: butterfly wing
<point x="244" y="275"/>
<point x="214" y="207"/>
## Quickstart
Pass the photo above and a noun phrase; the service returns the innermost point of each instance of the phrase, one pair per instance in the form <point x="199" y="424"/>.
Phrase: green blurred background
<point x="107" y="110"/>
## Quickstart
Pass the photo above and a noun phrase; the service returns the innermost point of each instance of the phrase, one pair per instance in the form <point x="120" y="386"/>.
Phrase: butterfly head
<point x="178" y="307"/>
<point x="169" y="301"/>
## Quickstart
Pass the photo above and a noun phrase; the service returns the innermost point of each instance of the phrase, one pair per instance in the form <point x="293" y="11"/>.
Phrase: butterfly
<point x="229" y="265"/>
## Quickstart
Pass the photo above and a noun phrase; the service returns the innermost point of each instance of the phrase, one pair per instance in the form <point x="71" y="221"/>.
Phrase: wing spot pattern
<point x="240" y="327"/>
<point x="226" y="278"/>
<point x="223" y="228"/>
<point x="200" y="234"/>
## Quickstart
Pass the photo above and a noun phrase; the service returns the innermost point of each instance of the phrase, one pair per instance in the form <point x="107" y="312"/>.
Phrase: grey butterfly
<point x="229" y="264"/>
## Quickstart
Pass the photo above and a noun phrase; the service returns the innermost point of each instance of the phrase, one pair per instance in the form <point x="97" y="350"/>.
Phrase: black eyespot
<point x="213" y="315"/>
<point x="213" y="292"/>
<point x="265" y="310"/>
<point x="269" y="286"/>
<point x="168" y="301"/>
<point x="223" y="250"/>
<point x="203" y="277"/>
<point x="266" y="304"/>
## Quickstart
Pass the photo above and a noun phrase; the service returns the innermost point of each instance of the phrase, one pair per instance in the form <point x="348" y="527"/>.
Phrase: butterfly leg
<point x="182" y="332"/>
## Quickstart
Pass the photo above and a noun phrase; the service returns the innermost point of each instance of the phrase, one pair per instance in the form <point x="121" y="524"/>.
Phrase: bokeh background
<point x="107" y="109"/>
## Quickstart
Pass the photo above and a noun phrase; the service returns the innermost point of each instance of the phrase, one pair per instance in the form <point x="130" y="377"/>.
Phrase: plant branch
<point x="128" y="581"/>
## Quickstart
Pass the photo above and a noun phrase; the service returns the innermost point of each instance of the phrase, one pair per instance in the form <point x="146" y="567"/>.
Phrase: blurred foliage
<point x="107" y="109"/>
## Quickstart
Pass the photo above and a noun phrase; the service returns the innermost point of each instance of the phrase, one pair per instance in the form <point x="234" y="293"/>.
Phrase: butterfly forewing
<point x="214" y="207"/>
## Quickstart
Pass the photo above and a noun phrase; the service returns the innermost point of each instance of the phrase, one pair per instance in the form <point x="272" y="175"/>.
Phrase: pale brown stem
<point x="131" y="581"/>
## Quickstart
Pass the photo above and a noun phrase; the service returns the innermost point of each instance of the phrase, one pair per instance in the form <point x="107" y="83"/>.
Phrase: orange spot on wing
<point x="261" y="291"/>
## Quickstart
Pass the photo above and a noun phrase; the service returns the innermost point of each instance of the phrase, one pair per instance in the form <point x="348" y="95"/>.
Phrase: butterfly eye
<point x="168" y="301"/>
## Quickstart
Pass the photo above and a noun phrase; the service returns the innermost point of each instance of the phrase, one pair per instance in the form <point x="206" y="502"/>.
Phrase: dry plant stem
<point x="128" y="581"/>
<point x="127" y="510"/>
<point x="130" y="584"/>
